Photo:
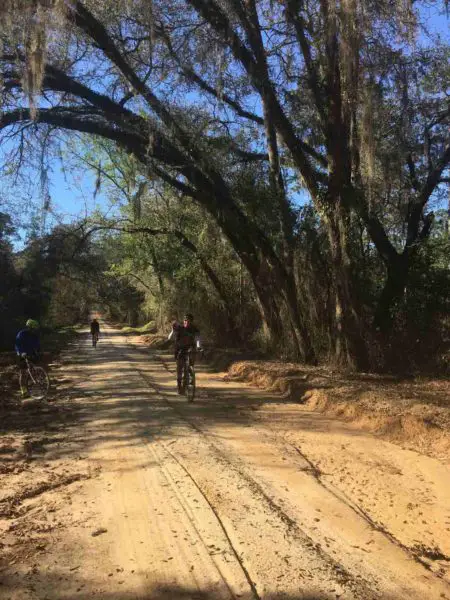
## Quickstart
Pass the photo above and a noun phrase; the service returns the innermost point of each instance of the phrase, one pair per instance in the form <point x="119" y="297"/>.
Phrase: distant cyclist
<point x="27" y="344"/>
<point x="95" y="331"/>
<point x="186" y="337"/>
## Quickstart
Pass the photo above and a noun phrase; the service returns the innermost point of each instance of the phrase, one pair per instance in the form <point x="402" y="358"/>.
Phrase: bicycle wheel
<point x="190" y="388"/>
<point x="38" y="383"/>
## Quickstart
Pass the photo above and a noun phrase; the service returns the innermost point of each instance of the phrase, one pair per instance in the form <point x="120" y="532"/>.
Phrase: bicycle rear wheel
<point x="38" y="383"/>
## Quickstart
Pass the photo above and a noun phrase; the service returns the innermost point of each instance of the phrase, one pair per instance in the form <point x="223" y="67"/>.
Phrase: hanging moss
<point x="29" y="23"/>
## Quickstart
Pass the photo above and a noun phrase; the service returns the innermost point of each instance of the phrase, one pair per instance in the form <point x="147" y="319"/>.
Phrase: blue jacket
<point x="27" y="342"/>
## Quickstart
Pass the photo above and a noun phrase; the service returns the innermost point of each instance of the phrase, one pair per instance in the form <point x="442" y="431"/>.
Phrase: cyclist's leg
<point x="23" y="382"/>
<point x="186" y="368"/>
<point x="23" y="377"/>
<point x="180" y="367"/>
<point x="190" y="377"/>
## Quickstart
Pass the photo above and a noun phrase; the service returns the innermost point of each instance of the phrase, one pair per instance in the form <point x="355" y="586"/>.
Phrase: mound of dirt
<point x="155" y="341"/>
<point x="413" y="413"/>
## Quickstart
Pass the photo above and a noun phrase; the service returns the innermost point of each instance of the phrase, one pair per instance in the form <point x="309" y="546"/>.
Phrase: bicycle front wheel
<point x="190" y="387"/>
<point x="38" y="383"/>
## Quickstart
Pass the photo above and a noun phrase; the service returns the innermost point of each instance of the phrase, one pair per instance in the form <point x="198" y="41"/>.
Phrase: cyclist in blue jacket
<point x="27" y="344"/>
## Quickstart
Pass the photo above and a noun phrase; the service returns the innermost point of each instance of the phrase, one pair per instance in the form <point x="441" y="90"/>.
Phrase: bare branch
<point x="191" y="75"/>
<point x="428" y="188"/>
<point x="294" y="16"/>
<point x="219" y="21"/>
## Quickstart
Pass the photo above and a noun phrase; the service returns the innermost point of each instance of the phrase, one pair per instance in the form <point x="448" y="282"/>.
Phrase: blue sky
<point x="73" y="194"/>
<point x="72" y="197"/>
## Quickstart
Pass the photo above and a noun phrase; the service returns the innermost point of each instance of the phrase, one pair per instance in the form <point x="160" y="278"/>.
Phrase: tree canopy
<point x="313" y="134"/>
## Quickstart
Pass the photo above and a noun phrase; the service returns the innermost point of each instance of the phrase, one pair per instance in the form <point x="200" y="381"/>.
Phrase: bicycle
<point x="36" y="380"/>
<point x="188" y="375"/>
<point x="95" y="337"/>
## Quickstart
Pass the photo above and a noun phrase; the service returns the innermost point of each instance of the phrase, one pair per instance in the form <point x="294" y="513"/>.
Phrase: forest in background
<point x="280" y="169"/>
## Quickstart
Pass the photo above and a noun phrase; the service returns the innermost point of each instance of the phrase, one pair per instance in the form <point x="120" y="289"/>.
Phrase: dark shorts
<point x="181" y="354"/>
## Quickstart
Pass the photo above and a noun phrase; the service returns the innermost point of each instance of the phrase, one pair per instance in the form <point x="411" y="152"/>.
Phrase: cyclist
<point x="186" y="337"/>
<point x="95" y="331"/>
<point x="27" y="344"/>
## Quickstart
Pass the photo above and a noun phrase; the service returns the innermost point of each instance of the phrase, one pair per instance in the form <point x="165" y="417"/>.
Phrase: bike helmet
<point x="188" y="317"/>
<point x="32" y="324"/>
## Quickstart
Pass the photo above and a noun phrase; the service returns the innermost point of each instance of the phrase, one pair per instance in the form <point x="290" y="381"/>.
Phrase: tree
<point x="316" y="73"/>
<point x="152" y="210"/>
<point x="10" y="297"/>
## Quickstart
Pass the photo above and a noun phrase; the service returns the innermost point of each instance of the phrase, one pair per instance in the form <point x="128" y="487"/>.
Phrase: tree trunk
<point x="350" y="349"/>
<point x="393" y="291"/>
<point x="299" y="330"/>
<point x="268" y="306"/>
<point x="233" y="330"/>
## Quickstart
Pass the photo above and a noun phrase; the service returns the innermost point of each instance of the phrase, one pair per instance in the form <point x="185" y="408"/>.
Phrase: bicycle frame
<point x="30" y="366"/>
<point x="34" y="375"/>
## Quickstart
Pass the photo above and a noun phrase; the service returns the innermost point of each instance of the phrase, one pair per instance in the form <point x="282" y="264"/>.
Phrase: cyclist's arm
<point x="19" y="345"/>
<point x="175" y="328"/>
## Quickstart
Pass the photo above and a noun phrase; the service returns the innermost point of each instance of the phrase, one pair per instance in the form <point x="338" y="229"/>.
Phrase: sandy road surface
<point x="235" y="496"/>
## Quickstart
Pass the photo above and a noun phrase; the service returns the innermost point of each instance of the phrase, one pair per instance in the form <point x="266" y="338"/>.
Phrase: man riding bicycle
<point x="95" y="330"/>
<point x="27" y="344"/>
<point x="187" y="339"/>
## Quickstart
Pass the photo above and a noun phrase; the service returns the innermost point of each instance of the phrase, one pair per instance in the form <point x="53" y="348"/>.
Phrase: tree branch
<point x="131" y="274"/>
<point x="375" y="228"/>
<point x="293" y="14"/>
<point x="428" y="188"/>
<point x="210" y="11"/>
<point x="191" y="75"/>
<point x="88" y="120"/>
<point x="179" y="235"/>
<point x="412" y="172"/>
<point x="86" y="21"/>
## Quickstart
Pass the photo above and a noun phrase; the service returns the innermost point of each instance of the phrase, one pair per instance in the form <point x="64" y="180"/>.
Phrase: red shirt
<point x="185" y="337"/>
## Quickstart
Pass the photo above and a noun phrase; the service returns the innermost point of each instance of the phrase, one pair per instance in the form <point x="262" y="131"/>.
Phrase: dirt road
<point x="238" y="495"/>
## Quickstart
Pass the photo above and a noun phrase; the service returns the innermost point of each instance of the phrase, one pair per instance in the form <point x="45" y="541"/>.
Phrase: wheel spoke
<point x="38" y="383"/>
